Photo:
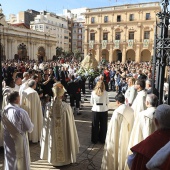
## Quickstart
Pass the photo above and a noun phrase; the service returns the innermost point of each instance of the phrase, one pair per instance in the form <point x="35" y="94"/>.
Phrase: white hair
<point x="152" y="99"/>
<point x="31" y="83"/>
<point x="25" y="74"/>
<point x="149" y="82"/>
<point x="162" y="114"/>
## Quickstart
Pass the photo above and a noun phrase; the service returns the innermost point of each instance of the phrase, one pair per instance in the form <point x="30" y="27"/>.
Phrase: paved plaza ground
<point x="90" y="155"/>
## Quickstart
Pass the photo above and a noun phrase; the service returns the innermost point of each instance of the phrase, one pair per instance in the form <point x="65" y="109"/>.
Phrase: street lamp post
<point x="161" y="49"/>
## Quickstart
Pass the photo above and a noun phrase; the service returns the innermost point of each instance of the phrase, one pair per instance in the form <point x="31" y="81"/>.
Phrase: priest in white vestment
<point x="118" y="135"/>
<point x="16" y="124"/>
<point x="144" y="123"/>
<point x="139" y="102"/>
<point x="10" y="84"/>
<point x="32" y="104"/>
<point x="59" y="141"/>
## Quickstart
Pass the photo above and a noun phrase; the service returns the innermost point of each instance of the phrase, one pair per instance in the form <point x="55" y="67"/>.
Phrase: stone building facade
<point x="121" y="33"/>
<point x="23" y="43"/>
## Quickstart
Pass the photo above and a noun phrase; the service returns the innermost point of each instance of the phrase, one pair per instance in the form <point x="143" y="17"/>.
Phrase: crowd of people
<point x="34" y="101"/>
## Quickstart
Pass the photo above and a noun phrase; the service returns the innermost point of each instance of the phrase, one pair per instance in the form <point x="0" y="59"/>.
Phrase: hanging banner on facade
<point x="91" y="44"/>
<point x="130" y="43"/>
<point x="145" y="43"/>
<point x="104" y="44"/>
<point x="117" y="42"/>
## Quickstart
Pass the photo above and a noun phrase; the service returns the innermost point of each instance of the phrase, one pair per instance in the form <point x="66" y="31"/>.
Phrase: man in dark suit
<point x="74" y="91"/>
<point x="112" y="80"/>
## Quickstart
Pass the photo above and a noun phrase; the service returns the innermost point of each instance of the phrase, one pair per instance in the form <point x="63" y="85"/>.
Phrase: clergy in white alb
<point x="10" y="84"/>
<point x="18" y="81"/>
<point x="23" y="87"/>
<point x="16" y="124"/>
<point x="59" y="141"/>
<point x="139" y="102"/>
<point x="118" y="135"/>
<point x="32" y="104"/>
<point x="144" y="123"/>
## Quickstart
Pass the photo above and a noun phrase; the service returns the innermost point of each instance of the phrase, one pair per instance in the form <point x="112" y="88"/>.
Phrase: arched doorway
<point x="41" y="54"/>
<point x="117" y="55"/>
<point x="146" y="55"/>
<point x="105" y="55"/>
<point x="22" y="52"/>
<point x="130" y="55"/>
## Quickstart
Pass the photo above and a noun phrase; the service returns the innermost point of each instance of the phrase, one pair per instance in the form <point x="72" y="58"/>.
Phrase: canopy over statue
<point x="89" y="62"/>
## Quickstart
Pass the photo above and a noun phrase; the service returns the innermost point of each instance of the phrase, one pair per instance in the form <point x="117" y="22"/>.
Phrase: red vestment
<point x="148" y="147"/>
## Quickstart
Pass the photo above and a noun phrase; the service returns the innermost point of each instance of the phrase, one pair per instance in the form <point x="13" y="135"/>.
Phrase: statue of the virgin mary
<point x="89" y="62"/>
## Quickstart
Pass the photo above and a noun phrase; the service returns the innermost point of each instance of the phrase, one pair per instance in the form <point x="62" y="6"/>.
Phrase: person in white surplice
<point x="10" y="84"/>
<point x="139" y="102"/>
<point x="16" y="124"/>
<point x="118" y="135"/>
<point x="32" y="104"/>
<point x="59" y="141"/>
<point x="144" y="123"/>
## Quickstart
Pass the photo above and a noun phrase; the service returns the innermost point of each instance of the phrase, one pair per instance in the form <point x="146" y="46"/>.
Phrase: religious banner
<point x="117" y="43"/>
<point x="130" y="43"/>
<point x="104" y="44"/>
<point x="91" y="44"/>
<point x="145" y="43"/>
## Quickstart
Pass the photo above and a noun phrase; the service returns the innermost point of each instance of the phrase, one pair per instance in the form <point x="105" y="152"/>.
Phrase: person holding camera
<point x="47" y="84"/>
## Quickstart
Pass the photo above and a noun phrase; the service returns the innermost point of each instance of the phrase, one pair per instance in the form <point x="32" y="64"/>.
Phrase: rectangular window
<point x="105" y="19"/>
<point x="146" y="34"/>
<point x="92" y="36"/>
<point x="148" y="16"/>
<point x="118" y="18"/>
<point x="105" y="36"/>
<point x="131" y="35"/>
<point x="117" y="36"/>
<point x="92" y="19"/>
<point x="41" y="27"/>
<point x="131" y="17"/>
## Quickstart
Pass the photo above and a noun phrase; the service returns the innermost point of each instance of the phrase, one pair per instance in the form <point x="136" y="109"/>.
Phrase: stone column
<point x="138" y="53"/>
<point x="34" y="51"/>
<point x="5" y="47"/>
<point x="86" y="41"/>
<point x="124" y="54"/>
<point x="85" y="49"/>
<point x="98" y="52"/>
<point x="13" y="48"/>
<point x="8" y="48"/>
<point x="99" y="33"/>
<point x="111" y="53"/>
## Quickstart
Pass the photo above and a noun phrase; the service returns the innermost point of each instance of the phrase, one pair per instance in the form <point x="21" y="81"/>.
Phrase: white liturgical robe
<point x="7" y="90"/>
<point x="16" y="124"/>
<point x="32" y="104"/>
<point x="117" y="138"/>
<point x="139" y="102"/>
<point x="59" y="141"/>
<point x="142" y="128"/>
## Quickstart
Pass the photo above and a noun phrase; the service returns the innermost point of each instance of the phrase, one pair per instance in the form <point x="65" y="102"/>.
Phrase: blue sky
<point x="56" y="6"/>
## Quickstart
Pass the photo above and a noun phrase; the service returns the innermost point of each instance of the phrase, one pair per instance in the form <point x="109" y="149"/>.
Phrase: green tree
<point x="59" y="51"/>
<point x="77" y="54"/>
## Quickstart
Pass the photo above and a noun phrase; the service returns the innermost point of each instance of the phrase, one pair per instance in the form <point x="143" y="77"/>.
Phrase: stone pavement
<point x="90" y="155"/>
